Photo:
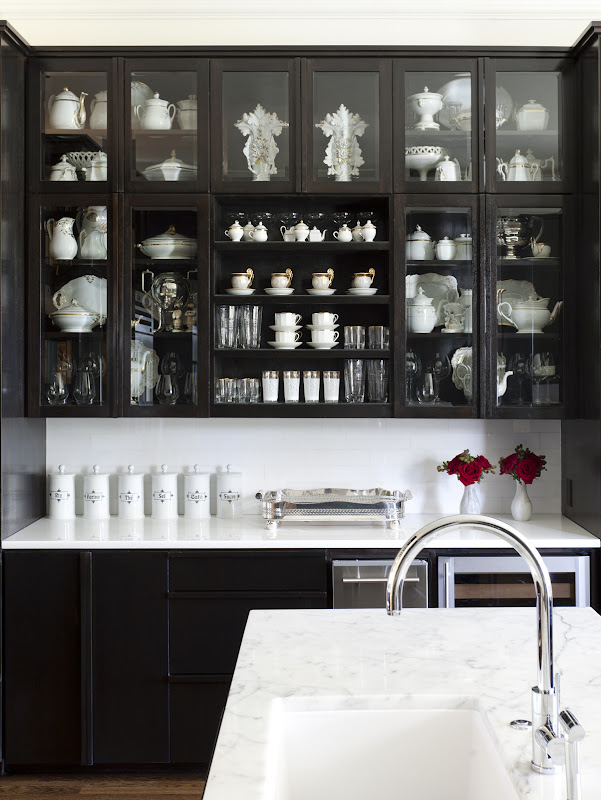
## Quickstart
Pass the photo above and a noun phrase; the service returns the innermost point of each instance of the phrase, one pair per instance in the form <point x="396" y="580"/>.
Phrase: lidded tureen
<point x="171" y="169"/>
<point x="169" y="244"/>
<point x="532" y="116"/>
<point x="73" y="318"/>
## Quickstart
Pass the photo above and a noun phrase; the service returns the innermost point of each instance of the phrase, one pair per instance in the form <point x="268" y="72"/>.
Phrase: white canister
<point x="197" y="494"/>
<point x="96" y="494"/>
<point x="61" y="494"/>
<point x="131" y="494"/>
<point x="229" y="494"/>
<point x="164" y="494"/>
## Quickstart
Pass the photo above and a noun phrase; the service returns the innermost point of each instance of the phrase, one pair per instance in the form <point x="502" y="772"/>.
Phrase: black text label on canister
<point x="59" y="494"/>
<point x="196" y="497"/>
<point x="93" y="497"/>
<point x="129" y="497"/>
<point x="162" y="495"/>
<point x="229" y="497"/>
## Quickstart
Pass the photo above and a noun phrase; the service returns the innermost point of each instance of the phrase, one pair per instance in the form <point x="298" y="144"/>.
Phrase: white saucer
<point x="241" y="292"/>
<point x="322" y="327"/>
<point x="285" y="345"/>
<point x="293" y="328"/>
<point x="364" y="292"/>
<point x="323" y="345"/>
<point x="322" y="292"/>
<point x="446" y="330"/>
<point x="280" y="292"/>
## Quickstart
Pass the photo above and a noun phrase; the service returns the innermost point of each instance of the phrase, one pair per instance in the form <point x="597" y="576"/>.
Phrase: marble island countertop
<point x="349" y="659"/>
<point x="542" y="531"/>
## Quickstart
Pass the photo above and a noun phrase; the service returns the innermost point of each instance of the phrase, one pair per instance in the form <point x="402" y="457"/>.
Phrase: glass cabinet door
<point x="166" y="125"/>
<point x="74" y="111"/>
<point x="442" y="361"/>
<point x="527" y="357"/>
<point x="529" y="147"/>
<point x="347" y="139"/>
<point x="253" y="112"/>
<point x="437" y="125"/>
<point x="74" y="316"/>
<point x="164" y="330"/>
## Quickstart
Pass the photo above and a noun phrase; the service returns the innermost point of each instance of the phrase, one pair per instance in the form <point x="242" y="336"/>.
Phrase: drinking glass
<point x="354" y="337"/>
<point x="378" y="337"/>
<point x="331" y="386"/>
<point x="231" y="390"/>
<point x="226" y="326"/>
<point x="354" y="380"/>
<point x="84" y="387"/>
<point x="413" y="367"/>
<point x="311" y="381"/>
<point x="242" y="389"/>
<point x="57" y="391"/>
<point x="171" y="365"/>
<point x="441" y="369"/>
<point x="519" y="364"/>
<point x="377" y="380"/>
<point x="220" y="390"/>
<point x="291" y="386"/>
<point x="271" y="386"/>
<point x="254" y="390"/>
<point x="190" y="394"/>
<point x="249" y="326"/>
<point x="167" y="390"/>
<point x="426" y="387"/>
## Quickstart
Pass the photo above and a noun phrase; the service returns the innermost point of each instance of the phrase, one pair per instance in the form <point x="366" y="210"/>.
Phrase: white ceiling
<point x="353" y="22"/>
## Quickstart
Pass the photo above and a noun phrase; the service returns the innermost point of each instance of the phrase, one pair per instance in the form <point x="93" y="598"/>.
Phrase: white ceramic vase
<point x="470" y="502"/>
<point x="521" y="505"/>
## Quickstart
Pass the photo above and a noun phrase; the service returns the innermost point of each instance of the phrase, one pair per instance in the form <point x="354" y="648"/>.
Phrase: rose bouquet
<point x="469" y="470"/>
<point x="524" y="466"/>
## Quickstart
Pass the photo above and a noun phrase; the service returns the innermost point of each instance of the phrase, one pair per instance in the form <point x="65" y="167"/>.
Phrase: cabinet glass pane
<point x="529" y="139"/>
<point x="74" y="291"/>
<point x="438" y="125"/>
<point x="256" y="133"/>
<point x="441" y="360"/>
<point x="164" y="340"/>
<point x="164" y="123"/>
<point x="529" y="318"/>
<point x="346" y="131"/>
<point x="75" y="136"/>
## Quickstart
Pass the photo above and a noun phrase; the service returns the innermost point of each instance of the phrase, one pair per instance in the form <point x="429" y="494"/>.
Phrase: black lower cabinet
<point x="130" y="691"/>
<point x="125" y="658"/>
<point x="43" y="718"/>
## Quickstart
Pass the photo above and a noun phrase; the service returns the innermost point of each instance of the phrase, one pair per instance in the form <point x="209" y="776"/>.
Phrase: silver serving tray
<point x="331" y="505"/>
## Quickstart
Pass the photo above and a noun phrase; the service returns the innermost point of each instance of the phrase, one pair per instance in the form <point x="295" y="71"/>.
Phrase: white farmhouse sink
<point x="366" y="749"/>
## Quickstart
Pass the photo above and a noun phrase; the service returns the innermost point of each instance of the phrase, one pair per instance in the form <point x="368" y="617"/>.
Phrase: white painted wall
<point x="304" y="453"/>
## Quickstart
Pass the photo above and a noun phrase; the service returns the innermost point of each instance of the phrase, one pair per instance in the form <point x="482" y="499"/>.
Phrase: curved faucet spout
<point x="540" y="575"/>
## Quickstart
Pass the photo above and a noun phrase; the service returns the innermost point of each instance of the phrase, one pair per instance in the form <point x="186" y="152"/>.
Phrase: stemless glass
<point x="226" y="326"/>
<point x="249" y="326"/>
<point x="254" y="390"/>
<point x="354" y="337"/>
<point x="271" y="386"/>
<point x="377" y="380"/>
<point x="84" y="387"/>
<point x="354" y="380"/>
<point x="311" y="381"/>
<point x="331" y="386"/>
<point x="378" y="337"/>
<point x="291" y="386"/>
<point x="220" y="390"/>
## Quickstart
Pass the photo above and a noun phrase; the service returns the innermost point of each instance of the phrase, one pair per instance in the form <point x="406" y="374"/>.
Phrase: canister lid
<point x="197" y="471"/>
<point x="130" y="471"/>
<point x="96" y="472"/>
<point x="228" y="471"/>
<point x="61" y="471"/>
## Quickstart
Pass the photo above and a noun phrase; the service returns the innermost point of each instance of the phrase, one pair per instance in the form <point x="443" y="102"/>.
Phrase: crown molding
<point x="508" y="10"/>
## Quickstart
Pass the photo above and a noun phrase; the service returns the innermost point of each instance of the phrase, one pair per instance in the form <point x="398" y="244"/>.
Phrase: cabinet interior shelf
<point x="304" y="299"/>
<point x="520" y="263"/>
<point x="438" y="335"/>
<point x="524" y="134"/>
<point x="308" y="352"/>
<point x="438" y="264"/>
<point x="509" y="333"/>
<point x="138" y="133"/>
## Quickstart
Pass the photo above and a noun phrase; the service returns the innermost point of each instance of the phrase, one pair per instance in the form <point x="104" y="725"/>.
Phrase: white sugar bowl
<point x="197" y="494"/>
<point x="446" y="249"/>
<point x="61" y="494"/>
<point x="419" y="246"/>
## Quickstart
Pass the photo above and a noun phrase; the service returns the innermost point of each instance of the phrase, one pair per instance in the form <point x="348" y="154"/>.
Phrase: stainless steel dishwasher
<point x="359" y="583"/>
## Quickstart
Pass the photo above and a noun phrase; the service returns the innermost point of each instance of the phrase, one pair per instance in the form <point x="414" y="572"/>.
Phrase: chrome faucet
<point x="549" y="748"/>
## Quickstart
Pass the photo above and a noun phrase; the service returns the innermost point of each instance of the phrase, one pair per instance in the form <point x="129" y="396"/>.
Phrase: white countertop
<point x="543" y="531"/>
<point x="487" y="656"/>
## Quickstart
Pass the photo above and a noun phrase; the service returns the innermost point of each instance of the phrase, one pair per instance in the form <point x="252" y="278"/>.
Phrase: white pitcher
<point x="62" y="242"/>
<point x="98" y="111"/>
<point x="91" y="245"/>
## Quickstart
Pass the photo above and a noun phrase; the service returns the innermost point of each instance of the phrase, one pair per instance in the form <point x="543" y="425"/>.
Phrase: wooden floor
<point x="121" y="786"/>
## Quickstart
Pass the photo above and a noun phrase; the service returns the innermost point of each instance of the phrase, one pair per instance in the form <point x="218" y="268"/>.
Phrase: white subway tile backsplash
<point x="307" y="453"/>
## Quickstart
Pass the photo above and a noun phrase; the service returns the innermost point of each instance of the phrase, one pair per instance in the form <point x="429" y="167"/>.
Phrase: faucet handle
<point x="571" y="727"/>
<point x="552" y="744"/>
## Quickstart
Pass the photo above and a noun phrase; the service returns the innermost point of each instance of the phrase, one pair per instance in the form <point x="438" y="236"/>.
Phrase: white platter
<point x="435" y="286"/>
<point x="279" y="292"/>
<point x="362" y="292"/>
<point x="289" y="328"/>
<point x="323" y="345"/>
<point x="514" y="292"/>
<point x="321" y="292"/>
<point x="144" y="369"/>
<point x="284" y="345"/>
<point x="322" y="327"/>
<point x="463" y="355"/>
<point x="241" y="292"/>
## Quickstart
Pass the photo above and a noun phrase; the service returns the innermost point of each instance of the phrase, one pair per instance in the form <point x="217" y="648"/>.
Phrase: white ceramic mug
<point x="242" y="280"/>
<point x="287" y="336"/>
<point x="322" y="280"/>
<point x="324" y="318"/>
<point x="362" y="280"/>
<point x="321" y="335"/>
<point x="281" y="280"/>
<point x="287" y="319"/>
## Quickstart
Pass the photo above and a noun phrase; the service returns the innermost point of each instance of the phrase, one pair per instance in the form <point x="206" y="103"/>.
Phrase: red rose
<point x="454" y="465"/>
<point x="527" y="469"/>
<point x="470" y="473"/>
<point x="509" y="464"/>
<point x="484" y="462"/>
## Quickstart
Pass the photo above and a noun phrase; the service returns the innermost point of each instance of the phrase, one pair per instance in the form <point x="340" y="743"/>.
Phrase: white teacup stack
<point x="323" y="326"/>
<point x="287" y="331"/>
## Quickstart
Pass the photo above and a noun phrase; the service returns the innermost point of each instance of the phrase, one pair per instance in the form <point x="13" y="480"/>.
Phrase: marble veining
<point x="471" y="658"/>
<point x="543" y="530"/>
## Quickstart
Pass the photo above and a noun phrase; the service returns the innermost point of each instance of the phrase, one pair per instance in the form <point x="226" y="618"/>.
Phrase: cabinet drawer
<point x="196" y="711"/>
<point x="205" y="633"/>
<point x="257" y="570"/>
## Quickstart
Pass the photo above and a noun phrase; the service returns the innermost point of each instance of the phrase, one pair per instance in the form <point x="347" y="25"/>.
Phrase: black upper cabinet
<point x="73" y="125"/>
<point x="165" y="125"/>
<point x="347" y="125"/>
<point x="530" y="124"/>
<point x="255" y="134"/>
<point x="437" y="120"/>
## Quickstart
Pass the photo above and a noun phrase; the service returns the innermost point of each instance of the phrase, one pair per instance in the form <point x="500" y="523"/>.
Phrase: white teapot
<point x="62" y="242"/>
<point x="315" y="235"/>
<point x="98" y="111"/>
<point x="343" y="234"/>
<point x="447" y="170"/>
<point x="419" y="246"/>
<point x="63" y="171"/>
<point x="259" y="233"/>
<point x="518" y="169"/>
<point x="155" y="114"/>
<point x="66" y="111"/>
<point x="421" y="314"/>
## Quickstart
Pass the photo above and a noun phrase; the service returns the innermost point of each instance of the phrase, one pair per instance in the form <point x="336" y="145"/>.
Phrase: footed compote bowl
<point x="423" y="158"/>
